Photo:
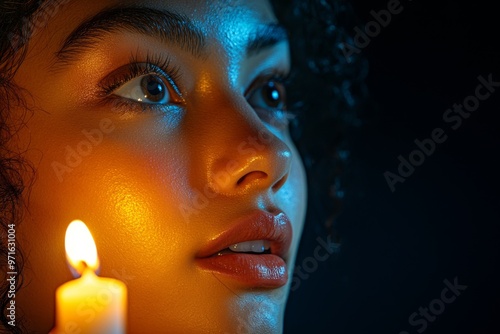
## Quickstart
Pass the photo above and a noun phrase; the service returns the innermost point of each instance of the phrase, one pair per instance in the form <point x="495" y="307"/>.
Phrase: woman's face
<point x="159" y="126"/>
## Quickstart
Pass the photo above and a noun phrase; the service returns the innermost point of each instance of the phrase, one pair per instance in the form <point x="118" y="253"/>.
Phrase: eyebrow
<point x="265" y="37"/>
<point x="166" y="26"/>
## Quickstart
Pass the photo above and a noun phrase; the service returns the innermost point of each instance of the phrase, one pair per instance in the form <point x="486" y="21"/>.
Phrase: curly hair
<point x="13" y="33"/>
<point x="325" y="91"/>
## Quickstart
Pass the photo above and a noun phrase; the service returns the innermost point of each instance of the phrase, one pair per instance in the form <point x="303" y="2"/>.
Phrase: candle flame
<point x="81" y="251"/>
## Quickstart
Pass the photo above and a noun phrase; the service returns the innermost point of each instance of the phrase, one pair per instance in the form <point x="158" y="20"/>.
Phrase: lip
<point x="251" y="270"/>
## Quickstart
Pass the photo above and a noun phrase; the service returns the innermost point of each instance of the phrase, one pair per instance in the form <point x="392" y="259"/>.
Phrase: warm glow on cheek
<point x="140" y="217"/>
<point x="154" y="246"/>
<point x="133" y="212"/>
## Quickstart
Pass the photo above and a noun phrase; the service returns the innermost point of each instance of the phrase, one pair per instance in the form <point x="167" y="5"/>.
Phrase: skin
<point x="133" y="188"/>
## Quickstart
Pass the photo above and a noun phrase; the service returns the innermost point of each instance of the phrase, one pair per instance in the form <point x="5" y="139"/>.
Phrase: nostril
<point x="280" y="183"/>
<point x="249" y="177"/>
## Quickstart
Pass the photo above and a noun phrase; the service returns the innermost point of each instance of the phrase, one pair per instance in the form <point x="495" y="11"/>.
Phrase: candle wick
<point x="84" y="265"/>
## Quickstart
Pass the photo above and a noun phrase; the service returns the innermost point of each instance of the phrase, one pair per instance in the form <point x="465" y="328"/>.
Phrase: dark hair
<point x="325" y="90"/>
<point x="13" y="169"/>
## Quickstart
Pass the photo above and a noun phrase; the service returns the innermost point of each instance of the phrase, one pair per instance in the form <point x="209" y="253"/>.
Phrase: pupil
<point x="272" y="95"/>
<point x="153" y="88"/>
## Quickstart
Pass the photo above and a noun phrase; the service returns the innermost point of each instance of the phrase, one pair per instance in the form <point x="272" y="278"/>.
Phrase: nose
<point x="240" y="153"/>
<point x="257" y="162"/>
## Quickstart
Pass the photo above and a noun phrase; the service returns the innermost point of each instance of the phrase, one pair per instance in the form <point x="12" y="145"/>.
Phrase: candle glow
<point x="81" y="251"/>
<point x="89" y="304"/>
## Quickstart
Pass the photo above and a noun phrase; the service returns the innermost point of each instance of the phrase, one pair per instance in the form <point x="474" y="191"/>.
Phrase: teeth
<point x="256" y="246"/>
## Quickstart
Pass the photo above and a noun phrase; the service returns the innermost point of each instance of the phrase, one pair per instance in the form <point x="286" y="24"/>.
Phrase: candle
<point x="89" y="304"/>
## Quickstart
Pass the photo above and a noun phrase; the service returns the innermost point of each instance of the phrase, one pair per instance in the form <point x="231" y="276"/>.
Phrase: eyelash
<point x="154" y="64"/>
<point x="161" y="65"/>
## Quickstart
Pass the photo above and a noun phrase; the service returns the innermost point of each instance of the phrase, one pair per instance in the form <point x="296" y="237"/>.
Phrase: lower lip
<point x="251" y="270"/>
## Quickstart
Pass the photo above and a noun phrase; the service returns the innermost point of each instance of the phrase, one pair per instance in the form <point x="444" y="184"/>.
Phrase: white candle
<point x="89" y="304"/>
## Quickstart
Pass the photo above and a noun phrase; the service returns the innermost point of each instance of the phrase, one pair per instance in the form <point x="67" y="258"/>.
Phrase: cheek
<point x="129" y="198"/>
<point x="293" y="196"/>
<point x="129" y="201"/>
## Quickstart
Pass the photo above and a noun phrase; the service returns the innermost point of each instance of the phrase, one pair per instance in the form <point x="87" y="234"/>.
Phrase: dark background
<point x="443" y="221"/>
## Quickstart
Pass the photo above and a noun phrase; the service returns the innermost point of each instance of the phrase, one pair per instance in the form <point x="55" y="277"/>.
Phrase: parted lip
<point x="259" y="225"/>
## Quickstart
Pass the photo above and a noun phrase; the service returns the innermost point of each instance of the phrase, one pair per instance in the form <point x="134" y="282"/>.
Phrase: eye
<point x="148" y="88"/>
<point x="269" y="94"/>
<point x="268" y="98"/>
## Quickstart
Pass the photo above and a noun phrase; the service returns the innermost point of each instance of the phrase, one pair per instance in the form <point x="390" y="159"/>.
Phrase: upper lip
<point x="259" y="225"/>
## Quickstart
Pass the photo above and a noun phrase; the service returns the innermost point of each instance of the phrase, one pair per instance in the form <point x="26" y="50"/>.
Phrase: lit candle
<point x="89" y="304"/>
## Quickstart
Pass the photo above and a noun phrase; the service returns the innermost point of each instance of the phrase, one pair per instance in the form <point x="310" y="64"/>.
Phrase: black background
<point x="442" y="222"/>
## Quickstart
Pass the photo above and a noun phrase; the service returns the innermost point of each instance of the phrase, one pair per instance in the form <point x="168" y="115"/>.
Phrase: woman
<point x="164" y="127"/>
